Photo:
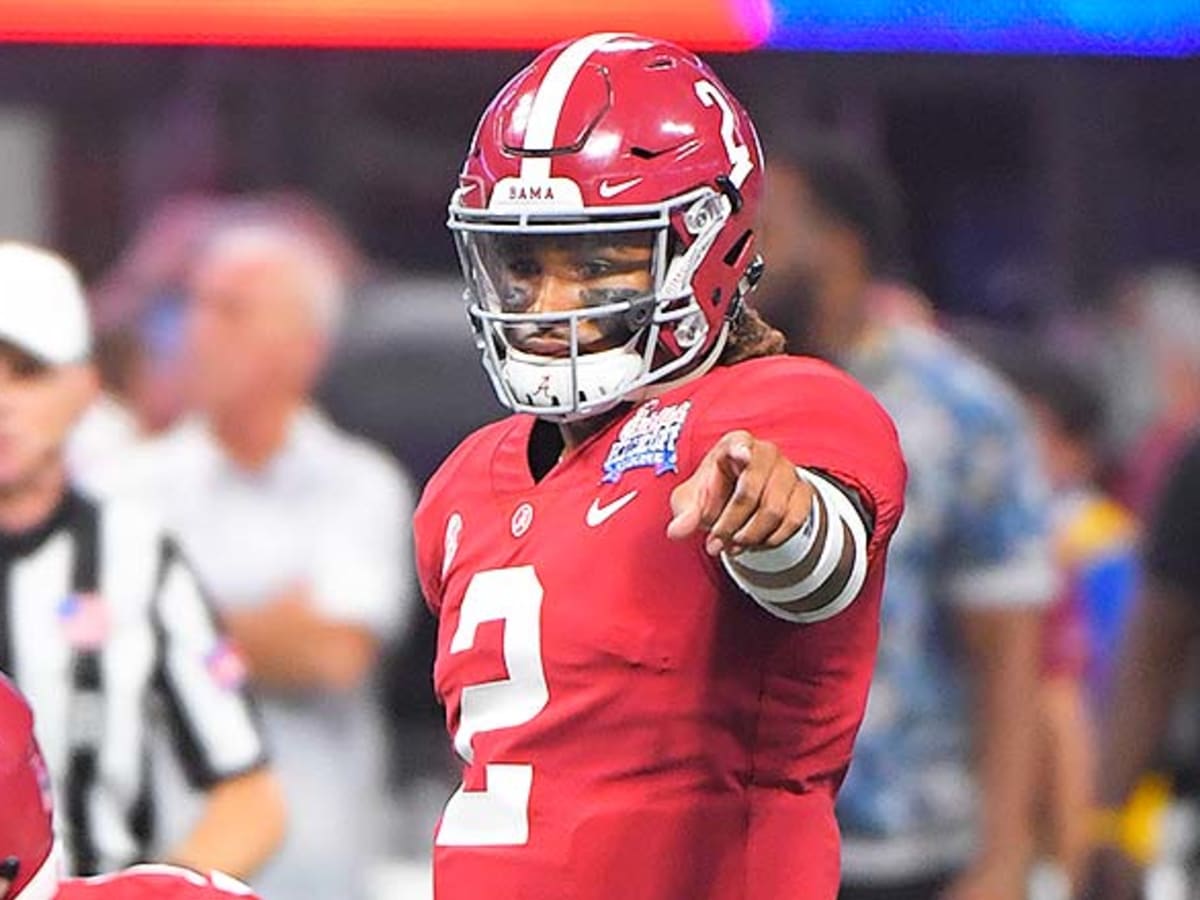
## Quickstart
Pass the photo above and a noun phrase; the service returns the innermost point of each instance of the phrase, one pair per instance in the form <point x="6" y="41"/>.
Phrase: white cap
<point x="42" y="306"/>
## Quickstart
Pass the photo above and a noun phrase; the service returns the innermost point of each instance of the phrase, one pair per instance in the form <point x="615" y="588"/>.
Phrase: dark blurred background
<point x="1030" y="179"/>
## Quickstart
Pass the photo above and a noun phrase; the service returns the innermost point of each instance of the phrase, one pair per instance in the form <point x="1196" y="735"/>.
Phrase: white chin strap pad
<point x="539" y="381"/>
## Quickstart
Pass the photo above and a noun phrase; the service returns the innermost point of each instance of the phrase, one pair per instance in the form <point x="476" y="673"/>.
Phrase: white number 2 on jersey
<point x="499" y="815"/>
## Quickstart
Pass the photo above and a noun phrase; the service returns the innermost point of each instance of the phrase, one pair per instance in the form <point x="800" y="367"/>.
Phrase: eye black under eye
<point x="514" y="301"/>
<point x="524" y="268"/>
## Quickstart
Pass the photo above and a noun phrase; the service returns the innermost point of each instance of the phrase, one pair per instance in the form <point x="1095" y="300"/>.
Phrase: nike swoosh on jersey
<point x="598" y="515"/>
<point x="608" y="191"/>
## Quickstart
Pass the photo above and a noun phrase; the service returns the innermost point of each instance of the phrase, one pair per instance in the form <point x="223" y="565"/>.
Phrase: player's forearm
<point x="1158" y="638"/>
<point x="820" y="568"/>
<point x="1004" y="651"/>
<point x="242" y="825"/>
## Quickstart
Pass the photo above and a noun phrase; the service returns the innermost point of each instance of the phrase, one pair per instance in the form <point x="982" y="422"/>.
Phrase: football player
<point x="29" y="862"/>
<point x="658" y="583"/>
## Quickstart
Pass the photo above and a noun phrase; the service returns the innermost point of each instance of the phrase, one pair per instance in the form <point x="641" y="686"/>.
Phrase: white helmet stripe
<point x="551" y="94"/>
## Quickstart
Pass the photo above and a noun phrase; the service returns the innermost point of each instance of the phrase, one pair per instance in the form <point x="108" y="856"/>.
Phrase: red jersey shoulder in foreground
<point x="632" y="724"/>
<point x="155" y="883"/>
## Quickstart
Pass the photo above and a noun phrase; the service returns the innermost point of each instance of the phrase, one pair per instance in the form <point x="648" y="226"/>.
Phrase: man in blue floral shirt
<point x="937" y="801"/>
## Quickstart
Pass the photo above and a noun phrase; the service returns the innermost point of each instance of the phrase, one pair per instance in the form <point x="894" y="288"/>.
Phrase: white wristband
<point x="795" y="548"/>
<point x="834" y="520"/>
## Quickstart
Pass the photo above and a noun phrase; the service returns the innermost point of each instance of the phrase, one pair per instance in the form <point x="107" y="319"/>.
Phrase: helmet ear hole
<point x="734" y="253"/>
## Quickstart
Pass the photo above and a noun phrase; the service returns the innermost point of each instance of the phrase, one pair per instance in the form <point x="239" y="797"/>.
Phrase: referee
<point x="98" y="615"/>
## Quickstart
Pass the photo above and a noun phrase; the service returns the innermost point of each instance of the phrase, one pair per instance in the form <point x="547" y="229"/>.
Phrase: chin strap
<point x="747" y="284"/>
<point x="660" y="387"/>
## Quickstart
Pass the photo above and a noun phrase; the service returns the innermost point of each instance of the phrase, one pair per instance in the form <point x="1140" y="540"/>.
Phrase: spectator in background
<point x="1095" y="537"/>
<point x="138" y="308"/>
<point x="99" y="615"/>
<point x="141" y="303"/>
<point x="970" y="570"/>
<point x="1159" y="643"/>
<point x="301" y="530"/>
<point x="1094" y="543"/>
<point x="1159" y="331"/>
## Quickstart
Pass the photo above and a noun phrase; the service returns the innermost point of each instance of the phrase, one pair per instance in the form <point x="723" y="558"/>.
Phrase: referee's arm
<point x="215" y="730"/>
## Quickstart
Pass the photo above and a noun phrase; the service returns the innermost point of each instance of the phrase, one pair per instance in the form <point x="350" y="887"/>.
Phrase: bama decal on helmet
<point x="543" y="195"/>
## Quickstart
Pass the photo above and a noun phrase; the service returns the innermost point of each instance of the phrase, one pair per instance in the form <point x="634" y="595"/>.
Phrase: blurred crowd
<point x="1041" y="587"/>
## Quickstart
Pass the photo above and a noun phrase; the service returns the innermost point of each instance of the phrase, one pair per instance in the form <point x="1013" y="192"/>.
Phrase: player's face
<point x="38" y="406"/>
<point x="250" y="334"/>
<point x="560" y="274"/>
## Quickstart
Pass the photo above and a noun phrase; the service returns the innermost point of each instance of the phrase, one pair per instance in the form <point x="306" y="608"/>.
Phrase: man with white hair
<point x="300" y="530"/>
<point x="1154" y="381"/>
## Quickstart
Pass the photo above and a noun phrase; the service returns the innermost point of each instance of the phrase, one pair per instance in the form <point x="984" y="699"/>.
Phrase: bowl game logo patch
<point x="648" y="439"/>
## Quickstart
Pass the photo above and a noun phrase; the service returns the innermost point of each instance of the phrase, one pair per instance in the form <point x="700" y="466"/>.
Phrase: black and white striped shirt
<point x="99" y="618"/>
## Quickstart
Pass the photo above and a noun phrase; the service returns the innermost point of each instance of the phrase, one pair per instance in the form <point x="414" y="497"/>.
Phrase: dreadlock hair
<point x="750" y="337"/>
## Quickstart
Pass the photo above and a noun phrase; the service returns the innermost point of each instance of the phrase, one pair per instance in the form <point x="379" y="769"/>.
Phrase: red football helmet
<point x="156" y="882"/>
<point x="609" y="138"/>
<point x="27" y="859"/>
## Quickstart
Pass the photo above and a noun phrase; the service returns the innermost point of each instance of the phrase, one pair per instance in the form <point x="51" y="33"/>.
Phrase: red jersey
<point x="634" y="726"/>
<point x="155" y="883"/>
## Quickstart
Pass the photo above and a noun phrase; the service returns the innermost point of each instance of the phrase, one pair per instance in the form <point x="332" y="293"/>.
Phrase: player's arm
<point x="1002" y="655"/>
<point x="216" y="732"/>
<point x="1000" y="575"/>
<point x="793" y="538"/>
